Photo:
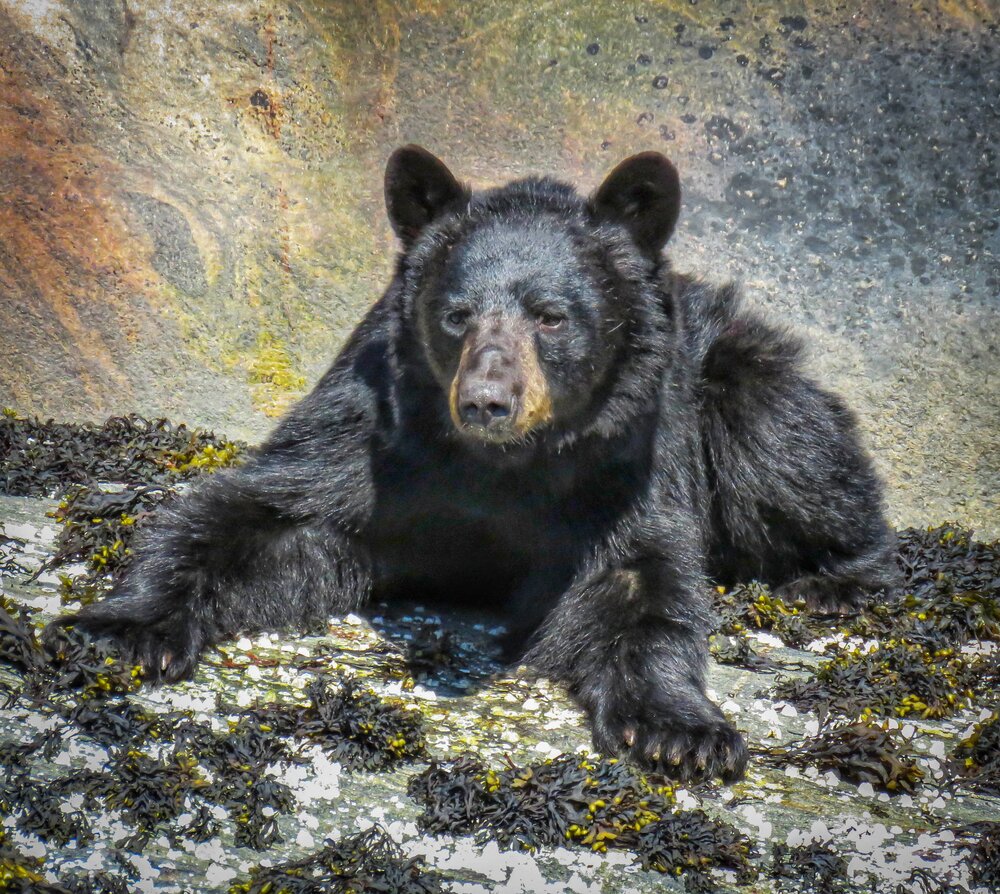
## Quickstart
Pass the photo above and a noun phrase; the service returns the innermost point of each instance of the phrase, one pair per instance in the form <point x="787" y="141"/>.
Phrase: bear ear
<point x="644" y="194"/>
<point x="418" y="188"/>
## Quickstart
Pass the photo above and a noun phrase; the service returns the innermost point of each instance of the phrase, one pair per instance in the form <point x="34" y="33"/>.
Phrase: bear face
<point x="531" y="306"/>
<point x="516" y="330"/>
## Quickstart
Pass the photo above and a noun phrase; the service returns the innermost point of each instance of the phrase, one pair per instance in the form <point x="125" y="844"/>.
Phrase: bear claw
<point x="688" y="753"/>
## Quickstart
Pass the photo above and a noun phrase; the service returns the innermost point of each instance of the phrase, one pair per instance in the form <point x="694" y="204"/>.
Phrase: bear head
<point x="539" y="314"/>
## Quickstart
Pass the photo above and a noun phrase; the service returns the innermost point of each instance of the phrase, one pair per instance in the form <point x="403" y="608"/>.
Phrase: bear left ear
<point x="418" y="188"/>
<point x="644" y="194"/>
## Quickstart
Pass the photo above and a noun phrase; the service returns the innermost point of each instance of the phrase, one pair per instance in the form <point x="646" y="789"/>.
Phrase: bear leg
<point x="638" y="669"/>
<point x="218" y="562"/>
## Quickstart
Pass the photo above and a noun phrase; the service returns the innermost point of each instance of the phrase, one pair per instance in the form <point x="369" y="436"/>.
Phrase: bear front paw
<point x="825" y="595"/>
<point x="166" y="649"/>
<point x="686" y="749"/>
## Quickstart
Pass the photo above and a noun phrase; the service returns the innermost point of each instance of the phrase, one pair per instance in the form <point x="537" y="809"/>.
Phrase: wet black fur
<point x="702" y="451"/>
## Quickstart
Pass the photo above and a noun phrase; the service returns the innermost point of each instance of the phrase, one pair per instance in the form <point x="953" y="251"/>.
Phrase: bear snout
<point x="491" y="380"/>
<point x="486" y="395"/>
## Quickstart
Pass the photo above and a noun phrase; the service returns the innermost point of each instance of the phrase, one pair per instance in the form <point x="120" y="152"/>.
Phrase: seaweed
<point x="982" y="841"/>
<point x="202" y="767"/>
<point x="241" y="785"/>
<point x="352" y="725"/>
<point x="923" y="881"/>
<point x="99" y="527"/>
<point x="431" y="649"/>
<point x="169" y="774"/>
<point x="145" y="460"/>
<point x="96" y="883"/>
<point x="367" y="863"/>
<point x="949" y="594"/>
<point x="857" y="752"/>
<point x="61" y="661"/>
<point x="16" y="755"/>
<point x="939" y="620"/>
<point x="814" y="868"/>
<point x="896" y="677"/>
<point x="736" y="649"/>
<point x="46" y="816"/>
<point x="21" y="874"/>
<point x="753" y="606"/>
<point x="43" y="459"/>
<point x="148" y="791"/>
<point x="936" y="620"/>
<point x="9" y="547"/>
<point x="75" y="461"/>
<point x="253" y="804"/>
<point x="248" y="746"/>
<point x="946" y="559"/>
<point x="203" y="826"/>
<point x="121" y="723"/>
<point x="152" y="793"/>
<point x="950" y="591"/>
<point x="598" y="804"/>
<point x="692" y="841"/>
<point x="975" y="762"/>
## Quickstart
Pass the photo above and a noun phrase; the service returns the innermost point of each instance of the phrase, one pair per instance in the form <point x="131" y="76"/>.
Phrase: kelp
<point x="857" y="752"/>
<point x="367" y="863"/>
<point x="43" y="459"/>
<point x="975" y="762"/>
<point x="599" y="804"/>
<point x="895" y="678"/>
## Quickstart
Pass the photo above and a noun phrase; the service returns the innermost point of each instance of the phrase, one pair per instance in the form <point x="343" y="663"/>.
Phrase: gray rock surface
<point x="499" y="716"/>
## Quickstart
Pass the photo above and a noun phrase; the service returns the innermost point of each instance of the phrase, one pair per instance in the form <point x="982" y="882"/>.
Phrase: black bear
<point x="538" y="414"/>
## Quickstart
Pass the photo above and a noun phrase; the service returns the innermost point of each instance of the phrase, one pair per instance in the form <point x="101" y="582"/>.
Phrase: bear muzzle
<point x="499" y="393"/>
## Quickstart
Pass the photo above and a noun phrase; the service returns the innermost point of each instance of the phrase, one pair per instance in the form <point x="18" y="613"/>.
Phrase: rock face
<point x="191" y="221"/>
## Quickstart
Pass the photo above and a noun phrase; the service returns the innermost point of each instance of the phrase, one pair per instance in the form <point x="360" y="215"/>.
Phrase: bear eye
<point x="457" y="317"/>
<point x="549" y="321"/>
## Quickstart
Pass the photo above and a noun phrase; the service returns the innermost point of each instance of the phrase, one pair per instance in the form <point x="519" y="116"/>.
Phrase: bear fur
<point x="540" y="416"/>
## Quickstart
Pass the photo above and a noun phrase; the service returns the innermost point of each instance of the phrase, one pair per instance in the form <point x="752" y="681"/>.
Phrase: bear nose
<point x="486" y="405"/>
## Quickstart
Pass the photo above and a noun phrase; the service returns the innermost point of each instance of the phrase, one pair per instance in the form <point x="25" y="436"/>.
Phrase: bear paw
<point x="685" y="749"/>
<point x="166" y="649"/>
<point x="825" y="595"/>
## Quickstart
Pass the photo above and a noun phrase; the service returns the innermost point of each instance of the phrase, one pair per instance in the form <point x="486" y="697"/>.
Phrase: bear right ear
<point x="418" y="189"/>
<point x="643" y="193"/>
